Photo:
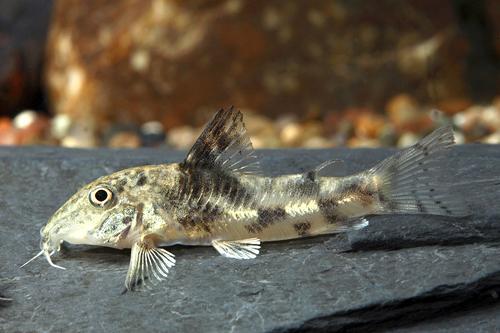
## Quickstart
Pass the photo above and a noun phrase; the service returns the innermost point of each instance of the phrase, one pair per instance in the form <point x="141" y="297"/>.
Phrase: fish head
<point x="103" y="212"/>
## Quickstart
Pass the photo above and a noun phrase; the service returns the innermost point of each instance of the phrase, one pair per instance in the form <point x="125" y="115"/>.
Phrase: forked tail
<point x="408" y="182"/>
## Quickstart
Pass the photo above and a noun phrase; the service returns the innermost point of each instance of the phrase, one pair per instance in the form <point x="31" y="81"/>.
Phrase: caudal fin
<point x="408" y="182"/>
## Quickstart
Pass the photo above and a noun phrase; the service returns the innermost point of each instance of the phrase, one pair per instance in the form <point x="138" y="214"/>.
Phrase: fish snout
<point x="47" y="248"/>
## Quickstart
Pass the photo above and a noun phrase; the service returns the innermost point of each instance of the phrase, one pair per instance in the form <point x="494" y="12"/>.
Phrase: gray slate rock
<point x="404" y="273"/>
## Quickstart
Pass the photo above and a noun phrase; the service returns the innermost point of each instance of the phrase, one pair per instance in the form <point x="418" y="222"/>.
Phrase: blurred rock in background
<point x="130" y="73"/>
<point x="132" y="61"/>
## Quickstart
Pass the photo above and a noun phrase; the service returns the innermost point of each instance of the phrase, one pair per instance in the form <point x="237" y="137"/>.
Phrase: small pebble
<point x="24" y="119"/>
<point x="407" y="116"/>
<point x="8" y="134"/>
<point x="152" y="134"/>
<point x="459" y="137"/>
<point x="125" y="140"/>
<point x="291" y="134"/>
<point x="492" y="138"/>
<point x="369" y="125"/>
<point x="182" y="137"/>
<point x="407" y="139"/>
<point x="79" y="137"/>
<point x="363" y="143"/>
<point x="317" y="142"/>
<point x="60" y="126"/>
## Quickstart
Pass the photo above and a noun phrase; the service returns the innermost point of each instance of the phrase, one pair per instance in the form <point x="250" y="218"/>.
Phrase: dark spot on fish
<point x="127" y="220"/>
<point x="241" y="198"/>
<point x="303" y="228"/>
<point x="230" y="188"/>
<point x="120" y="185"/>
<point x="142" y="179"/>
<point x="266" y="217"/>
<point x="361" y="192"/>
<point x="140" y="209"/>
<point x="327" y="206"/>
<point x="271" y="215"/>
<point x="437" y="202"/>
<point x="253" y="228"/>
<point x="211" y="212"/>
<point x="189" y="221"/>
<point x="329" y="210"/>
<point x="202" y="219"/>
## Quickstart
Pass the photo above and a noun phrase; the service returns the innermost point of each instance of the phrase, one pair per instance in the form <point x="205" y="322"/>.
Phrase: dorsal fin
<point x="224" y="144"/>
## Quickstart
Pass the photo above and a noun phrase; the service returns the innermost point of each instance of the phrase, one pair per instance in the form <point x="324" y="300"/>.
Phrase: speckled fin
<point x="224" y="145"/>
<point x="147" y="264"/>
<point x="409" y="181"/>
<point x="238" y="249"/>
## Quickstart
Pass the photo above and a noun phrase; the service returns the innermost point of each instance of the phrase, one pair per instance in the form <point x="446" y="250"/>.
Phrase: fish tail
<point x="408" y="182"/>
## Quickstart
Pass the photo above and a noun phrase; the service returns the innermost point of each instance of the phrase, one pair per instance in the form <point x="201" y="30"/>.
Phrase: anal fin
<point x="147" y="263"/>
<point x="238" y="249"/>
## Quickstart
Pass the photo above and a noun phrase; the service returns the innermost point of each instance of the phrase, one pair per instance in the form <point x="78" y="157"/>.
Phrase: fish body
<point x="217" y="196"/>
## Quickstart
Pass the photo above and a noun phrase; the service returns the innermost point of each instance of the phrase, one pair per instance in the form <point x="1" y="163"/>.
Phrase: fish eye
<point x="100" y="196"/>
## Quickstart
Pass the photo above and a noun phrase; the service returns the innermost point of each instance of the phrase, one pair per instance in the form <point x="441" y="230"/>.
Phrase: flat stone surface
<point x="403" y="273"/>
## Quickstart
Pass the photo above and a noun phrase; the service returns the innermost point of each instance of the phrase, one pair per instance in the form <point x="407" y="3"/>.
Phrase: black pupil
<point x="101" y="195"/>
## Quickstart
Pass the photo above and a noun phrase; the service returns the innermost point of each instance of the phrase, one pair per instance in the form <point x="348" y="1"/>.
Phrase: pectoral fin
<point x="238" y="249"/>
<point x="147" y="263"/>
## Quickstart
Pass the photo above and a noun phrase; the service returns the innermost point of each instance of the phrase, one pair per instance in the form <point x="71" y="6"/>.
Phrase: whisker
<point x="36" y="256"/>
<point x="47" y="256"/>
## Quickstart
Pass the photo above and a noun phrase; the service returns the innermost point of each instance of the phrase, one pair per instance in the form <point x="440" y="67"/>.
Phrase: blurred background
<point x="132" y="73"/>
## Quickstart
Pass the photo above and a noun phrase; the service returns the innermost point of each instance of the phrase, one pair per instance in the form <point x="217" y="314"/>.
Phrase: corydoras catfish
<point x="217" y="197"/>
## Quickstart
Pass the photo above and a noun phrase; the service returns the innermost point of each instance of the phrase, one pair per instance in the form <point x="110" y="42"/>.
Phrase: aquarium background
<point x="315" y="74"/>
